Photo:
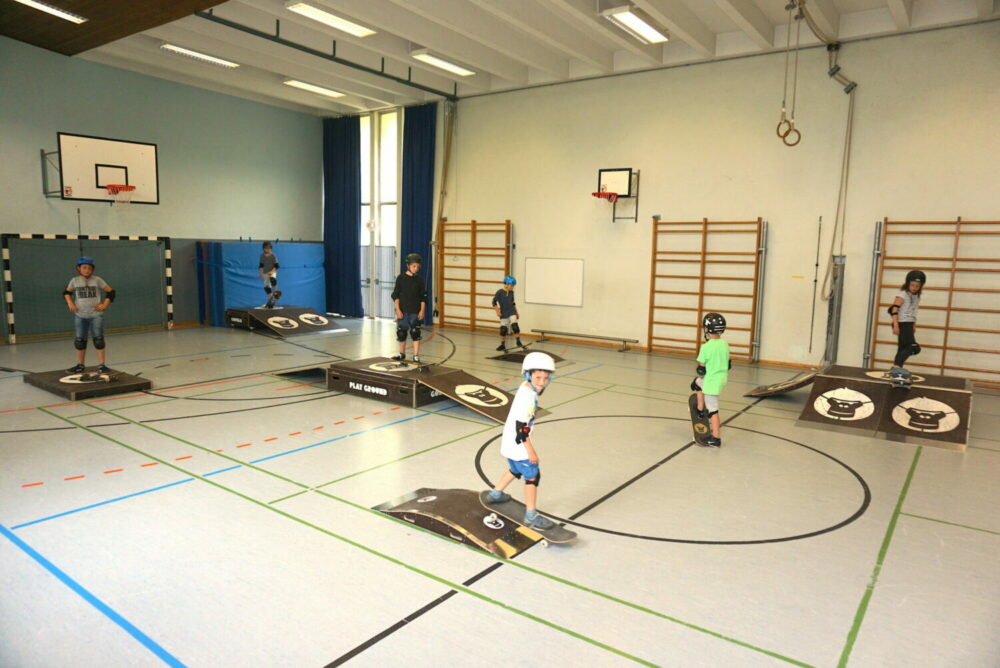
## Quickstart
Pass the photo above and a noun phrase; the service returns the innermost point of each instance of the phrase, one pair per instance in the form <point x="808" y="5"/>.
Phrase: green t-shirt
<point x="714" y="354"/>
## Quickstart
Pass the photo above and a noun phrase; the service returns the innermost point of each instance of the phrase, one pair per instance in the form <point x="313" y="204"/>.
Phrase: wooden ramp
<point x="283" y="320"/>
<point x="793" y="383"/>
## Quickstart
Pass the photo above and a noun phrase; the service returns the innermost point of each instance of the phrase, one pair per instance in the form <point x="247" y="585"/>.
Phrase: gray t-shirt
<point x="268" y="262"/>
<point x="87" y="294"/>
<point x="908" y="309"/>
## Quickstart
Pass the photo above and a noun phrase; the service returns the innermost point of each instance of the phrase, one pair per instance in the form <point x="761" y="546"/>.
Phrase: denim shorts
<point x="524" y="467"/>
<point x="94" y="325"/>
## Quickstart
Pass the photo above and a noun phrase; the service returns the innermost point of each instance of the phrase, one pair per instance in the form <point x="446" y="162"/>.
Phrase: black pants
<point x="906" y="341"/>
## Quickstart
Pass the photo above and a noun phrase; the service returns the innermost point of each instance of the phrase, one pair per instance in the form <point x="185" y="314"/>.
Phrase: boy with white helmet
<point x="506" y="309"/>
<point x="516" y="444"/>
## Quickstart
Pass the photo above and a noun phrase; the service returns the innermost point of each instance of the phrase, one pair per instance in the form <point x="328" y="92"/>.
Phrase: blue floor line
<point x="97" y="603"/>
<point x="102" y="503"/>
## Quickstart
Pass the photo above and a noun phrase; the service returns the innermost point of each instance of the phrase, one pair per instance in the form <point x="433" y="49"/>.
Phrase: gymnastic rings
<point x="792" y="138"/>
<point x="787" y="132"/>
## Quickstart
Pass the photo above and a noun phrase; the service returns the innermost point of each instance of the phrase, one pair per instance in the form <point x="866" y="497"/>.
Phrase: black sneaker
<point x="519" y="344"/>
<point x="79" y="368"/>
<point x="502" y="348"/>
<point x="103" y="369"/>
<point x="399" y="358"/>
<point x="713" y="442"/>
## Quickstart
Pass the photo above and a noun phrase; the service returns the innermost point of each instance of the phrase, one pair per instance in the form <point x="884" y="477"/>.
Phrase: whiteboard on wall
<point x="556" y="281"/>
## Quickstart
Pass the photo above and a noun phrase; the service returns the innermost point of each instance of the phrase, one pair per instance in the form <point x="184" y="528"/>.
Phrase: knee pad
<point x="99" y="342"/>
<point x="274" y="281"/>
<point x="915" y="349"/>
<point x="695" y="386"/>
<point x="415" y="332"/>
<point x="80" y="344"/>
<point x="711" y="413"/>
<point x="400" y="333"/>
<point x="514" y="327"/>
<point x="534" y="481"/>
<point x="503" y="330"/>
<point x="517" y="476"/>
<point x="267" y="289"/>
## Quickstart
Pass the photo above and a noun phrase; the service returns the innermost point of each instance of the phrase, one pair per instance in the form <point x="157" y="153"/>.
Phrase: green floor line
<point x="954" y="524"/>
<point x="419" y="571"/>
<point x="979" y="447"/>
<point x="859" y="616"/>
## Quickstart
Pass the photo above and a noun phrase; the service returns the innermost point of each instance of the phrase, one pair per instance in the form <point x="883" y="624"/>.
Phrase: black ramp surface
<point x="75" y="386"/>
<point x="928" y="413"/>
<point x="482" y="397"/>
<point x="283" y="320"/>
<point x="846" y="403"/>
<point x="793" y="383"/>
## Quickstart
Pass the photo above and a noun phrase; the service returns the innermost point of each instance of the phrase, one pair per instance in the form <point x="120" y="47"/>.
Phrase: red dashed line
<point x="198" y="359"/>
<point x="239" y="446"/>
<point x="295" y="433"/>
<point x="377" y="413"/>
<point x="32" y="484"/>
<point x="177" y="459"/>
<point x="319" y="427"/>
<point x="359" y="417"/>
<point x="395" y="408"/>
<point x="76" y="477"/>
<point x="289" y="387"/>
<point x="17" y="410"/>
<point x="273" y="438"/>
<point x="341" y="422"/>
<point x="151" y="464"/>
<point x="220" y="450"/>
<point x="114" y="471"/>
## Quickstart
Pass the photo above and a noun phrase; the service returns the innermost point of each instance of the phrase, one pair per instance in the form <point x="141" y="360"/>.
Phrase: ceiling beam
<point x="467" y="19"/>
<point x="425" y="33"/>
<point x="537" y="21"/>
<point x="902" y="13"/>
<point x="750" y="20"/>
<point x="585" y="15"/>
<point x="682" y="23"/>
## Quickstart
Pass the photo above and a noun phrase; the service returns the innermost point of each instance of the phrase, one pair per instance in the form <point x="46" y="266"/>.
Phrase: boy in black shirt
<point x="410" y="298"/>
<point x="268" y="270"/>
<point x="503" y="304"/>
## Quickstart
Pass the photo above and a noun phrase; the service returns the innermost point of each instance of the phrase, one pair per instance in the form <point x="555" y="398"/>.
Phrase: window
<point x="380" y="178"/>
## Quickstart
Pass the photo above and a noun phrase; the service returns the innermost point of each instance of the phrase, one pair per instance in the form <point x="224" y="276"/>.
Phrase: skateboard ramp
<point x="478" y="395"/>
<point x="458" y="515"/>
<point x="793" y="383"/>
<point x="76" y="386"/>
<point x="283" y="320"/>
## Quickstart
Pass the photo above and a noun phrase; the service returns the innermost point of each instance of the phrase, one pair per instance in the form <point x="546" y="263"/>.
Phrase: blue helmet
<point x="509" y="280"/>
<point x="86" y="260"/>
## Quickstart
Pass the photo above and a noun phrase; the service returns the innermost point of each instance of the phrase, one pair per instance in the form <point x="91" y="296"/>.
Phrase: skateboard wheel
<point x="544" y="543"/>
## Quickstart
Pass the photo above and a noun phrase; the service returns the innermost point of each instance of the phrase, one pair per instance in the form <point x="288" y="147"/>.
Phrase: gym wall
<point x="925" y="148"/>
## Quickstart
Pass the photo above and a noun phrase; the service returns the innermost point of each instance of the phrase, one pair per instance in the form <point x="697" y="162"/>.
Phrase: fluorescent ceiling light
<point x="49" y="9"/>
<point x="205" y="58"/>
<point x="425" y="56"/>
<point x="634" y="22"/>
<point x="312" y="88"/>
<point x="326" y="18"/>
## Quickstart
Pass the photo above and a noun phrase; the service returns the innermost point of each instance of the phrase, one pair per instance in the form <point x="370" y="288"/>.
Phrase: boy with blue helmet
<point x="516" y="444"/>
<point x="87" y="296"/>
<point x="506" y="309"/>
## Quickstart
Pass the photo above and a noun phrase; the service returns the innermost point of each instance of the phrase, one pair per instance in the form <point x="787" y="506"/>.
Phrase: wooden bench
<point x="625" y="342"/>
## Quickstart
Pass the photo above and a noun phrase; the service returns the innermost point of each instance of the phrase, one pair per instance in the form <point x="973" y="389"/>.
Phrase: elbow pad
<point x="111" y="295"/>
<point x="701" y="370"/>
<point x="68" y="293"/>
<point x="521" y="431"/>
<point x="277" y="265"/>
<point x="894" y="309"/>
<point x="730" y="364"/>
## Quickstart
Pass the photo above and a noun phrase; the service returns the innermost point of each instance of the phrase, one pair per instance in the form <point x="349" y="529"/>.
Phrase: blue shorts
<point x="523" y="467"/>
<point x="94" y="325"/>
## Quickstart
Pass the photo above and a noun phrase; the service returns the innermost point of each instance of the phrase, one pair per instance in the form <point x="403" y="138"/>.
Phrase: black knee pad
<point x="534" y="481"/>
<point x="274" y="281"/>
<point x="400" y="333"/>
<point x="415" y="332"/>
<point x="267" y="289"/>
<point x="514" y="327"/>
<point x="503" y="330"/>
<point x="915" y="349"/>
<point x="694" y="385"/>
<point x="517" y="476"/>
<point x="80" y="344"/>
<point x="99" y="342"/>
<point x="711" y="413"/>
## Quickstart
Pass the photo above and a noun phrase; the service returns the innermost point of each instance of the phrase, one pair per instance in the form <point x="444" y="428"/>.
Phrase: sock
<point x="530" y="514"/>
<point x="494" y="494"/>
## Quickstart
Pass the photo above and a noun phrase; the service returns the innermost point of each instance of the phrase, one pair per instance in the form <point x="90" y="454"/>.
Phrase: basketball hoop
<point x="611" y="197"/>
<point x="122" y="193"/>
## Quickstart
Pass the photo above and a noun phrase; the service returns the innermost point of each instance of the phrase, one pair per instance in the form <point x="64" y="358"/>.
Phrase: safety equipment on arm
<point x="68" y="293"/>
<point x="713" y="323"/>
<point x="509" y="280"/>
<point x="111" y="295"/>
<point x="702" y="370"/>
<point x="893" y="309"/>
<point x="695" y="387"/>
<point x="522" y="430"/>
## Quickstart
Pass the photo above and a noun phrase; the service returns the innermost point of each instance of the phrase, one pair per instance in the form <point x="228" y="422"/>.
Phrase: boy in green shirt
<point x="713" y="372"/>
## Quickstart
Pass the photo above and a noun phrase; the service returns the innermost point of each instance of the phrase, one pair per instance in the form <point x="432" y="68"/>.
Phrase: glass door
<point x="379" y="211"/>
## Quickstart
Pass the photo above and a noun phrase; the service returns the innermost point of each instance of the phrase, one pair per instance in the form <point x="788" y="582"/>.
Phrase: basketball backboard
<point x="88" y="164"/>
<point x="618" y="180"/>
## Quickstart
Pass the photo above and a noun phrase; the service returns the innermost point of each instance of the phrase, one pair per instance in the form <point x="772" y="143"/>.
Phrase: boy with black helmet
<point x="904" y="316"/>
<point x="268" y="269"/>
<point x="516" y="445"/>
<point x="506" y="309"/>
<point x="87" y="296"/>
<point x="410" y="299"/>
<point x="713" y="372"/>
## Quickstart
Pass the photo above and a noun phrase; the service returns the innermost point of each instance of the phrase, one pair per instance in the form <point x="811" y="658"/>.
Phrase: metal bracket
<point x="635" y="189"/>
<point x="46" y="159"/>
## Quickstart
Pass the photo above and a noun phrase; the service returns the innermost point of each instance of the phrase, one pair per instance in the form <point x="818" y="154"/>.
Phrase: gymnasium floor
<point x="225" y="521"/>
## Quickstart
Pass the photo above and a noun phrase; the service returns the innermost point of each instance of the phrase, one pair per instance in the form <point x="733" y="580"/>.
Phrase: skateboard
<point x="700" y="425"/>
<point x="899" y="378"/>
<point x="513" y="510"/>
<point x="275" y="296"/>
<point x="94" y="377"/>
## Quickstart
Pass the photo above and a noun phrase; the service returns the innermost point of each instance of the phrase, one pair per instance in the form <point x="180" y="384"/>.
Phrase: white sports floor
<point x="225" y="521"/>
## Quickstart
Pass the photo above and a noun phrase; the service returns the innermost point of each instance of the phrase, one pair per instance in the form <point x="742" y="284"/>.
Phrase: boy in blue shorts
<point x="516" y="445"/>
<point x="87" y="296"/>
<point x="713" y="372"/>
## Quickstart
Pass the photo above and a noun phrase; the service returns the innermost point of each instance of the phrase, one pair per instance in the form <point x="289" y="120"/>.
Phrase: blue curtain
<point x="419" y="135"/>
<point x="342" y="214"/>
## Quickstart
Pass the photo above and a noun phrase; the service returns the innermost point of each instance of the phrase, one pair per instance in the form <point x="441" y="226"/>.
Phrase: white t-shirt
<point x="908" y="309"/>
<point x="522" y="409"/>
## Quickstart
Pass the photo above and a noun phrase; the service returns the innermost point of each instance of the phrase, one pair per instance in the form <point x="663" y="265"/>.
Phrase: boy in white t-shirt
<point x="516" y="445"/>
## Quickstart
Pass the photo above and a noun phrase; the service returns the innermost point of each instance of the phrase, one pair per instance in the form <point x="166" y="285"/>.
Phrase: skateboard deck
<point x="899" y="378"/>
<point x="514" y="510"/>
<point x="700" y="425"/>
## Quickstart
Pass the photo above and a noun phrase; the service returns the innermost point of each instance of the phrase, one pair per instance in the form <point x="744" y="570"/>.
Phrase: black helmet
<point x="414" y="257"/>
<point x="713" y="323"/>
<point x="265" y="245"/>
<point x="916" y="275"/>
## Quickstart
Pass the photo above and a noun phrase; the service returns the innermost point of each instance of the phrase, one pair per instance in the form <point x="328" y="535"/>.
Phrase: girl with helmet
<point x="410" y="298"/>
<point x="713" y="373"/>
<point x="503" y="304"/>
<point x="904" y="316"/>
<point x="516" y="443"/>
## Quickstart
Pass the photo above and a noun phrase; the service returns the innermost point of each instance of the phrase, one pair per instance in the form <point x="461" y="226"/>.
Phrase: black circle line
<point x="289" y="396"/>
<point x="858" y="513"/>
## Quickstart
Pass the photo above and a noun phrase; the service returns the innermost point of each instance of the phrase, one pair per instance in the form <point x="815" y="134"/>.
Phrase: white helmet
<point x="537" y="360"/>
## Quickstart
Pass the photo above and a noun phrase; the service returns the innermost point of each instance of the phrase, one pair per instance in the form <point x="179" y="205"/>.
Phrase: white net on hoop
<point x="121" y="192"/>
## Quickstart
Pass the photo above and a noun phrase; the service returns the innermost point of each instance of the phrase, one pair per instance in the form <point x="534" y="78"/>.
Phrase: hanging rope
<point x="786" y="126"/>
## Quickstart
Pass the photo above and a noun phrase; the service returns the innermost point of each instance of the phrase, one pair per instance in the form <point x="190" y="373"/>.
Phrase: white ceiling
<point x="510" y="44"/>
